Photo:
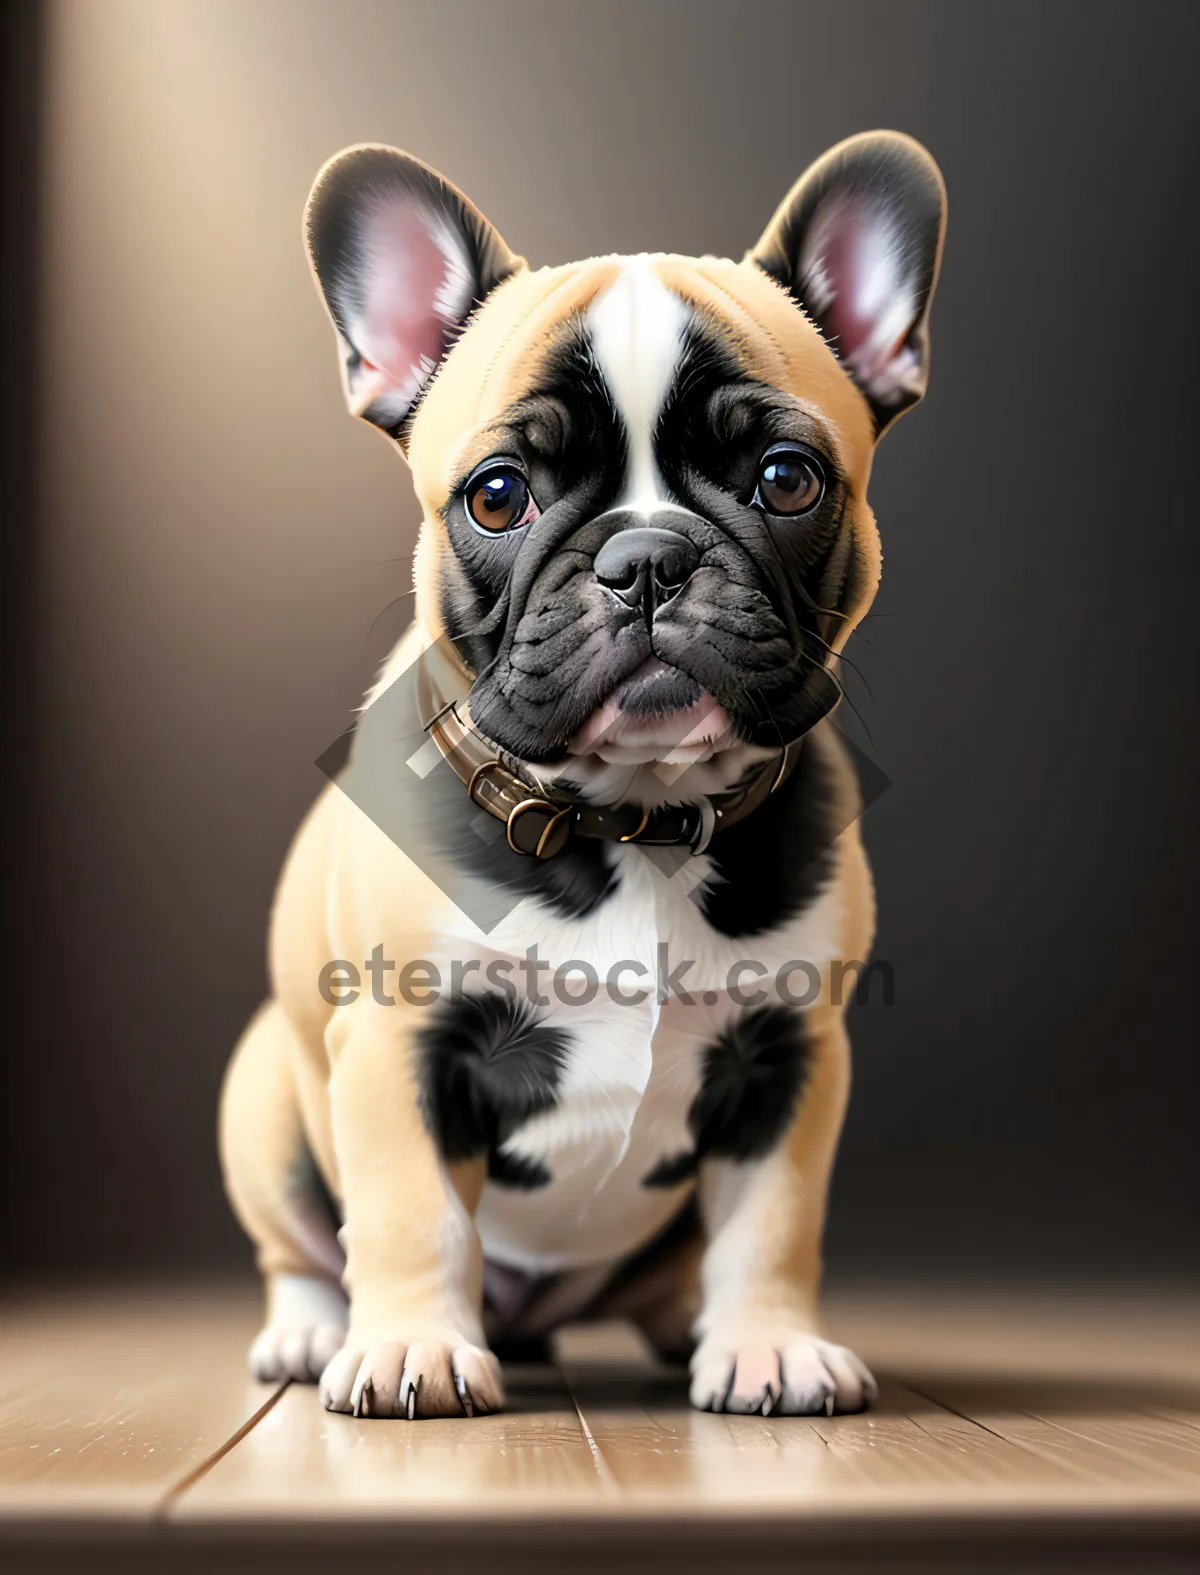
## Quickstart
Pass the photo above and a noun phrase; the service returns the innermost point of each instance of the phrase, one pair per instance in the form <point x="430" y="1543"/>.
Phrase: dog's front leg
<point x="415" y="1345"/>
<point x="759" y="1347"/>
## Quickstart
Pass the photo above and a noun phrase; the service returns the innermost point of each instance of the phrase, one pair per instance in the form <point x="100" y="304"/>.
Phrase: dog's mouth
<point x="656" y="713"/>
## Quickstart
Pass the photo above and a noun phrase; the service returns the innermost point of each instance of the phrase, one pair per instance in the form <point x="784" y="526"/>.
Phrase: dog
<point x="645" y="544"/>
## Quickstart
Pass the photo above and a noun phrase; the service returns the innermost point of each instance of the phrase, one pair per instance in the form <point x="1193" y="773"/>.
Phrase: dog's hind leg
<point x="280" y="1199"/>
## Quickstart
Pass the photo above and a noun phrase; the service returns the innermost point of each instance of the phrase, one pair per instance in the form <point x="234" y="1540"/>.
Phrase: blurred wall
<point x="221" y="557"/>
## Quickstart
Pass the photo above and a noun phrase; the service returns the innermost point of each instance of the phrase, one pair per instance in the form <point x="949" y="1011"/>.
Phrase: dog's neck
<point x="583" y="796"/>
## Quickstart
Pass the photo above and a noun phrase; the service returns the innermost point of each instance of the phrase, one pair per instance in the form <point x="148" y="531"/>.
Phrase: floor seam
<point x="176" y="1491"/>
<point x="607" y="1481"/>
<point x="1013" y="1443"/>
<point x="1121" y="1451"/>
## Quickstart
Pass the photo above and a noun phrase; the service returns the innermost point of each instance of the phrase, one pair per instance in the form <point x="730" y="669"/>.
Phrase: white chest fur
<point x="651" y="988"/>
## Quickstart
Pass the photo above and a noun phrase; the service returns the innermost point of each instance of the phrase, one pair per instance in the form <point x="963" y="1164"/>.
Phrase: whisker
<point x="842" y="691"/>
<point x="842" y="659"/>
<point x="382" y="613"/>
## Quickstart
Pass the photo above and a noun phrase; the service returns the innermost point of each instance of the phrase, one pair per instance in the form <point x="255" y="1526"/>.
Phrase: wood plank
<point x="1118" y="1455"/>
<point x="303" y="1464"/>
<point x="108" y="1399"/>
<point x="912" y="1455"/>
<point x="1100" y="1392"/>
<point x="982" y="1458"/>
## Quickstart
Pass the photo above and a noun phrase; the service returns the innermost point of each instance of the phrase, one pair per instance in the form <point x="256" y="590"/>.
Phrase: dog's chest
<point x="635" y="993"/>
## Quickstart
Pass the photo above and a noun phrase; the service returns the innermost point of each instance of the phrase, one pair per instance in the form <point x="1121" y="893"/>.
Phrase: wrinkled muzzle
<point x="654" y="630"/>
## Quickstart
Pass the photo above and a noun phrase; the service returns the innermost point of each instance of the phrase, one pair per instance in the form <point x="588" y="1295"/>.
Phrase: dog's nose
<point x="645" y="566"/>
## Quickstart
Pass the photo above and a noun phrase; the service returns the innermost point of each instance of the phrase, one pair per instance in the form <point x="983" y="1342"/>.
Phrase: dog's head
<point x="644" y="478"/>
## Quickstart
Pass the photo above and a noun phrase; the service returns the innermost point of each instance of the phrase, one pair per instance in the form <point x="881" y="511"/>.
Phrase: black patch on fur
<point x="567" y="437"/>
<point x="514" y="1170"/>
<point x="754" y="624"/>
<point x="487" y="1066"/>
<point x="752" y="1079"/>
<point x="754" y="1075"/>
<point x="778" y="860"/>
<point x="669" y="1172"/>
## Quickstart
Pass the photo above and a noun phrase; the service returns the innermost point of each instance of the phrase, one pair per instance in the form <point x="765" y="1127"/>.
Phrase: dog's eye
<point x="499" y="501"/>
<point x="789" y="482"/>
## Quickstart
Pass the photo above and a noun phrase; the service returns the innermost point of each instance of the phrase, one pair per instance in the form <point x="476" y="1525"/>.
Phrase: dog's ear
<point x="402" y="259"/>
<point x="857" y="241"/>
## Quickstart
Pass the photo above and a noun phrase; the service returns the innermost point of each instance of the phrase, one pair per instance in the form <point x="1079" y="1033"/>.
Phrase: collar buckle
<point x="538" y="828"/>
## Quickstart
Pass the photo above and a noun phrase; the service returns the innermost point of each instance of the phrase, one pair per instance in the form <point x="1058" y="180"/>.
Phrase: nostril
<point x="621" y="562"/>
<point x="672" y="572"/>
<point x="623" y="579"/>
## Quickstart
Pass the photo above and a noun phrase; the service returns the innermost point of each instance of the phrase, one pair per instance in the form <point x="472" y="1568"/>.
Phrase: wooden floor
<point x="1013" y="1431"/>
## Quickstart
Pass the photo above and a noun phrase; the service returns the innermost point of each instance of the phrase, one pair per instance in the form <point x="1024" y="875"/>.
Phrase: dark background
<point x="202" y="549"/>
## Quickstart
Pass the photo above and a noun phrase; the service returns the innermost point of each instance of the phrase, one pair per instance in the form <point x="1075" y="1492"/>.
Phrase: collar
<point x="540" y="822"/>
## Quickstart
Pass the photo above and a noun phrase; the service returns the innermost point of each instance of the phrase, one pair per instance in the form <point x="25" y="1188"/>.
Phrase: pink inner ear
<point x="857" y="283"/>
<point x="406" y="278"/>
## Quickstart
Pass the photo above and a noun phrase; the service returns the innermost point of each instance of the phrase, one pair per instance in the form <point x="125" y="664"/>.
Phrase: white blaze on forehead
<point x="637" y="328"/>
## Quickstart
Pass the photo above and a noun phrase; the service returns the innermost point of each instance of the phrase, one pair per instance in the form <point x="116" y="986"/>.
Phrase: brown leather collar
<point x="540" y="822"/>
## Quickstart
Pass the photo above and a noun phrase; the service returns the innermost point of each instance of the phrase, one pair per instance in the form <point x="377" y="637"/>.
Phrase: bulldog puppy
<point x="646" y="541"/>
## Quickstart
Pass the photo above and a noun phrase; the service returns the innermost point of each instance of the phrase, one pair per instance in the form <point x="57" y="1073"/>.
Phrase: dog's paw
<point x="302" y="1353"/>
<point x="304" y="1332"/>
<point x="797" y="1375"/>
<point x="389" y="1378"/>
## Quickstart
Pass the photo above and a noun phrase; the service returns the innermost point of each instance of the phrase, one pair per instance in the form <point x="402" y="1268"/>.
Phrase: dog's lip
<point x="696" y="731"/>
